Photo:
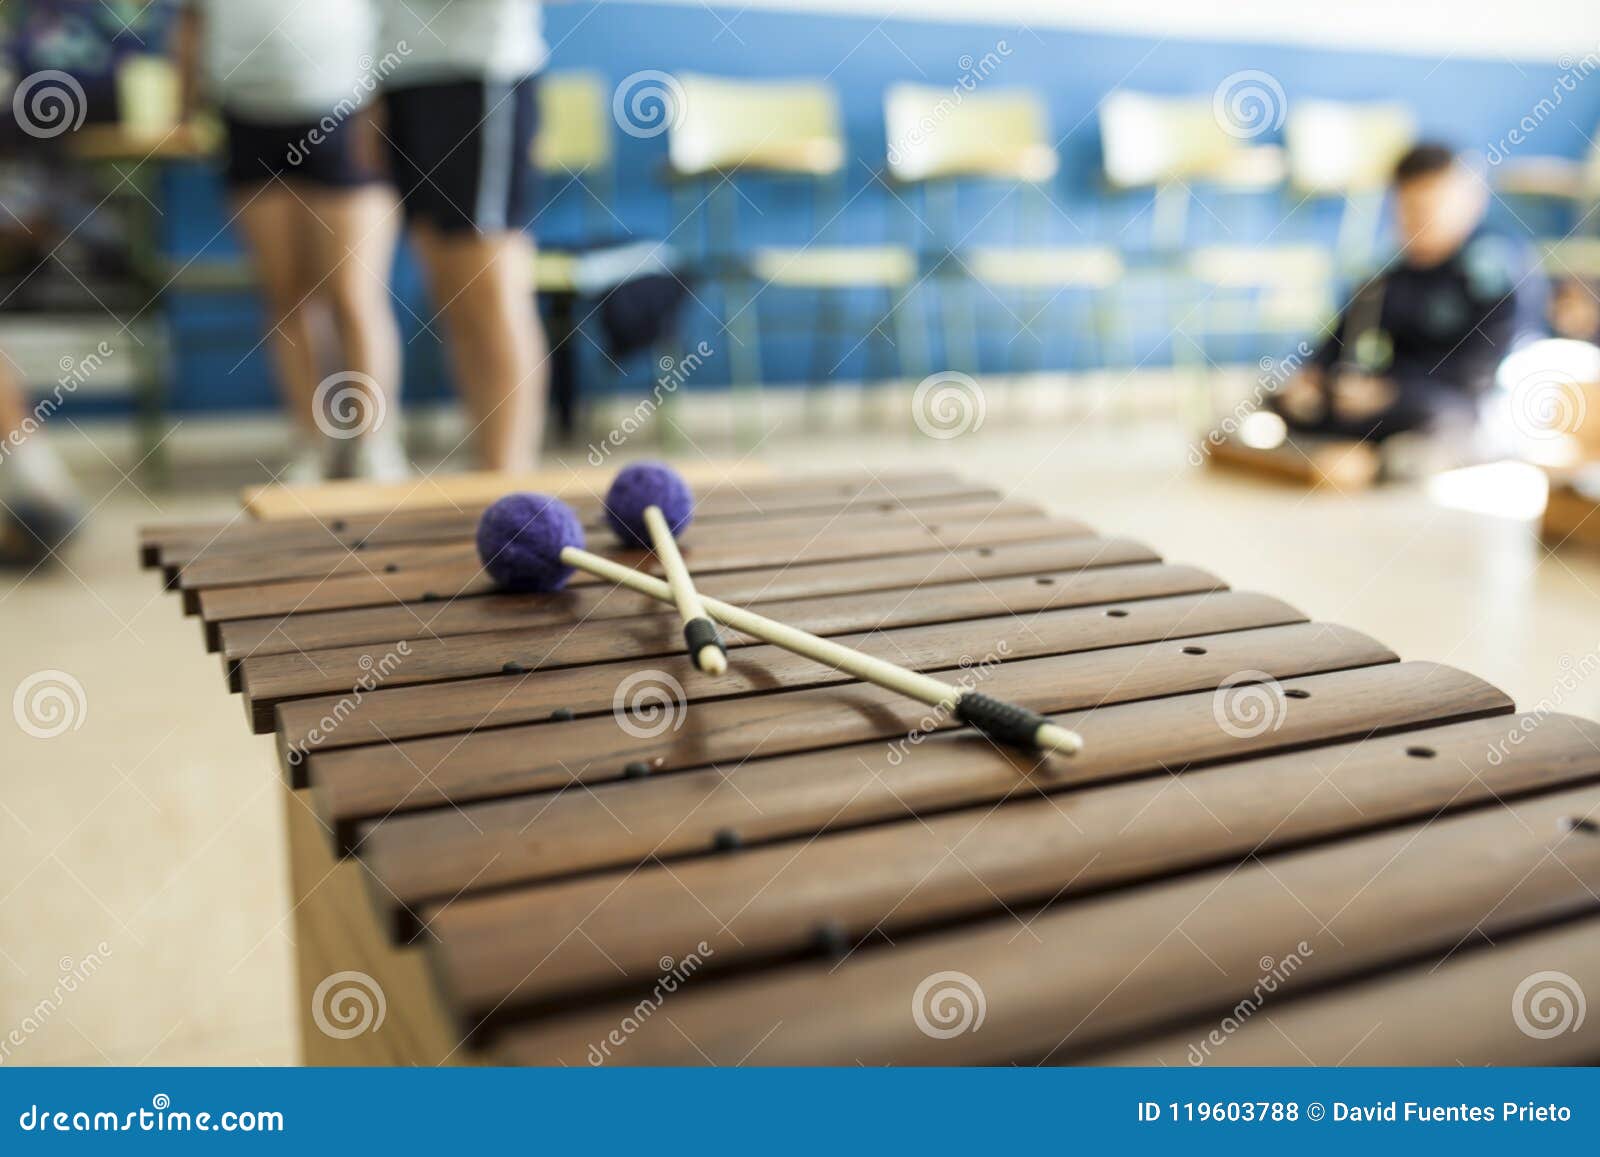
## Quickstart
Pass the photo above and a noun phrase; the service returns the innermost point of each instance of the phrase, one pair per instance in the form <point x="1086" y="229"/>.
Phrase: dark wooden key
<point x="182" y="542"/>
<point x="714" y="543"/>
<point x="319" y="630"/>
<point x="268" y="552"/>
<point x="767" y="903"/>
<point x="647" y="641"/>
<point x="444" y="852"/>
<point x="465" y="576"/>
<point x="407" y="712"/>
<point x="723" y="505"/>
<point x="1462" y="1009"/>
<point x="373" y="781"/>
<point x="1077" y="975"/>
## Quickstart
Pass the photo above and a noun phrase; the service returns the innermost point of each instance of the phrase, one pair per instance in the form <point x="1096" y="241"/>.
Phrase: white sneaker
<point x="380" y="458"/>
<point x="308" y="467"/>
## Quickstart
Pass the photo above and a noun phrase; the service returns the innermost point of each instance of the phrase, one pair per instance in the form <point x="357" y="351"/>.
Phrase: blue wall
<point x="1471" y="103"/>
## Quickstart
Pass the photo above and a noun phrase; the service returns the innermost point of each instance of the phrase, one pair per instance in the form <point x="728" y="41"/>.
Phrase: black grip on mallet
<point x="1005" y="722"/>
<point x="700" y="633"/>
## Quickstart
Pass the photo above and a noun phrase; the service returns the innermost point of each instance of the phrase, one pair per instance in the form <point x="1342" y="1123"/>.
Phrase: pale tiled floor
<point x="154" y="827"/>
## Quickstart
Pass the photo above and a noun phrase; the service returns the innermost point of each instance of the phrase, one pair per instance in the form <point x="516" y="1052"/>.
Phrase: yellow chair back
<point x="945" y="132"/>
<point x="773" y="126"/>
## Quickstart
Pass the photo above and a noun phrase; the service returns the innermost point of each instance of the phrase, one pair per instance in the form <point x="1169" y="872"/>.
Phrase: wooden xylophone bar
<point x="268" y="680"/>
<point x="461" y="575"/>
<point x="469" y="614"/>
<point x="772" y="866"/>
<point x="842" y="496"/>
<point x="239" y="570"/>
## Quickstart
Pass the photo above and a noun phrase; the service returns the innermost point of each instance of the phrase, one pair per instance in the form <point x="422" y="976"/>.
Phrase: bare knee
<point x="352" y="308"/>
<point x="286" y="311"/>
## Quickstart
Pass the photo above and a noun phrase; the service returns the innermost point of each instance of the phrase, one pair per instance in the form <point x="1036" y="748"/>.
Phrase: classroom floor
<point x="143" y="909"/>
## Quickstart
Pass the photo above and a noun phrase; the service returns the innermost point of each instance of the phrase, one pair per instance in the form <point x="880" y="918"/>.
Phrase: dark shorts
<point x="317" y="152"/>
<point x="461" y="153"/>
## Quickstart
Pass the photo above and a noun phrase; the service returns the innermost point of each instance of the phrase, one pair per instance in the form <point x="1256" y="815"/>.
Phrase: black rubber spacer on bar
<point x="699" y="634"/>
<point x="999" y="720"/>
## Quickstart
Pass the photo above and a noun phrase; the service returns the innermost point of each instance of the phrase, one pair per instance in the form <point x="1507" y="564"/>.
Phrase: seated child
<point x="1419" y="342"/>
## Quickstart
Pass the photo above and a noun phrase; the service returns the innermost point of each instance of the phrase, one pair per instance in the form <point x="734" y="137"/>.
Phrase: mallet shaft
<point x="708" y="656"/>
<point x="985" y="713"/>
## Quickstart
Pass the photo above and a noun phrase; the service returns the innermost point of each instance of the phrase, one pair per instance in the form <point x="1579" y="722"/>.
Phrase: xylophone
<point x="525" y="829"/>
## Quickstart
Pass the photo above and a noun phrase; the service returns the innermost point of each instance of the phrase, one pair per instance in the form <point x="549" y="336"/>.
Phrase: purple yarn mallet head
<point x="646" y="484"/>
<point x="520" y="539"/>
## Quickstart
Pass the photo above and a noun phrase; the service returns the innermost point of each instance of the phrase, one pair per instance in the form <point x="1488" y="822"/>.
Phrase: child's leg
<point x="353" y="256"/>
<point x="483" y="287"/>
<point x="276" y="228"/>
